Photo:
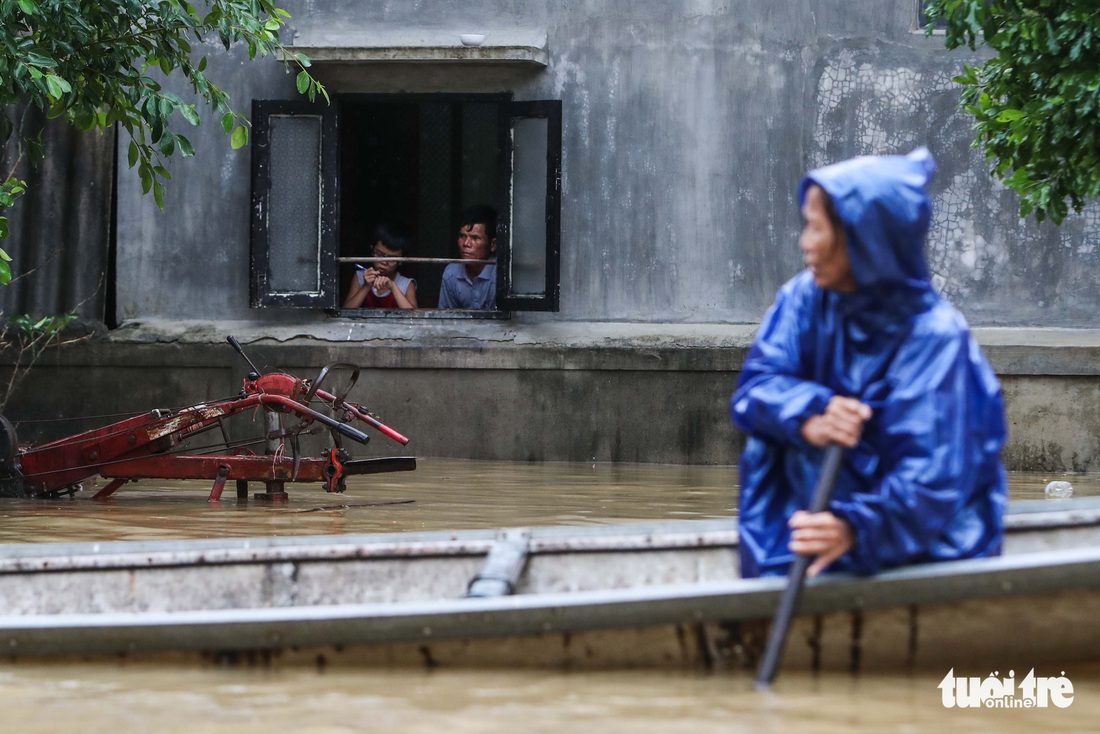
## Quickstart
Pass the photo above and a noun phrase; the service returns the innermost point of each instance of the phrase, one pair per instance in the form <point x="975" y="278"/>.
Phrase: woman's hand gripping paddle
<point x="777" y="638"/>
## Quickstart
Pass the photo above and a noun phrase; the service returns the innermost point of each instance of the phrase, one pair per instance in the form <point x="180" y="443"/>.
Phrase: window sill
<point x="417" y="313"/>
<point x="516" y="47"/>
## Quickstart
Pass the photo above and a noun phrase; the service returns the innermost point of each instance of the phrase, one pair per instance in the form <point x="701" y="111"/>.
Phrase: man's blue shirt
<point x="458" y="291"/>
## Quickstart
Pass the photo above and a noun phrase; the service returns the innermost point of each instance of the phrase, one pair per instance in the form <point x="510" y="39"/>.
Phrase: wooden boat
<point x="614" y="596"/>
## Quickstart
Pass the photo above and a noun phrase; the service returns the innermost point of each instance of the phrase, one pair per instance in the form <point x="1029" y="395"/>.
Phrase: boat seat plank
<point x="503" y="565"/>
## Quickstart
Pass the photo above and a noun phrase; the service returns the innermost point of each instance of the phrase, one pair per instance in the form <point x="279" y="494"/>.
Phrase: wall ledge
<point x="521" y="346"/>
<point x="511" y="46"/>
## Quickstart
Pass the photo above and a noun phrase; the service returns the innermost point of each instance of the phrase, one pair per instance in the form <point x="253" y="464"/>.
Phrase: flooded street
<point x="447" y="494"/>
<point x="442" y="494"/>
<point x="439" y="495"/>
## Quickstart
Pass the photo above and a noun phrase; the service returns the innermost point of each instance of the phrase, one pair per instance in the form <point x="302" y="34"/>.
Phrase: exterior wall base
<point x="571" y="394"/>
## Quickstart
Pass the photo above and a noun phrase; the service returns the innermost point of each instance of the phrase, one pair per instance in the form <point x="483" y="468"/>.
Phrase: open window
<point x="325" y="176"/>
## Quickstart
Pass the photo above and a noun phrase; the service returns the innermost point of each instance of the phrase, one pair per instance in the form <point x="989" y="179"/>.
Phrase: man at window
<point x="473" y="284"/>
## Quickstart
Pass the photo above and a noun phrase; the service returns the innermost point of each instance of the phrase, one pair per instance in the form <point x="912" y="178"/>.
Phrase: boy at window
<point x="473" y="285"/>
<point x="380" y="285"/>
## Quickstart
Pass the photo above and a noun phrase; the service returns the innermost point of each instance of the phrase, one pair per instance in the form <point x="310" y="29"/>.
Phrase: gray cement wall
<point x="611" y="393"/>
<point x="687" y="125"/>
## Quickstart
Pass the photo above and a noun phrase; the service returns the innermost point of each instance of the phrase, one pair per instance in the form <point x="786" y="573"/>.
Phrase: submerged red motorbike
<point x="158" y="444"/>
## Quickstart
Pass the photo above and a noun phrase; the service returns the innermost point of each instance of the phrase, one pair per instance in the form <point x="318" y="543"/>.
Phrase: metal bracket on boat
<point x="503" y="565"/>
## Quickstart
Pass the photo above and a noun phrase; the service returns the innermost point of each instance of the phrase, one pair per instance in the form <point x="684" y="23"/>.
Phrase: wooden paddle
<point x="777" y="638"/>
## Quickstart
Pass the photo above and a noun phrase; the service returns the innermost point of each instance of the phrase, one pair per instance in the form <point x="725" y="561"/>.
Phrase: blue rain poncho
<point x="926" y="481"/>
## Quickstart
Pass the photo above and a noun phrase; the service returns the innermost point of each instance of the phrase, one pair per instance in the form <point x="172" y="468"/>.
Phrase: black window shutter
<point x="530" y="221"/>
<point x="295" y="216"/>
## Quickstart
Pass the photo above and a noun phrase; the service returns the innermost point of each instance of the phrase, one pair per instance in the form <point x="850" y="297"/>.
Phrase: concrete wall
<point x="613" y="392"/>
<point x="687" y="125"/>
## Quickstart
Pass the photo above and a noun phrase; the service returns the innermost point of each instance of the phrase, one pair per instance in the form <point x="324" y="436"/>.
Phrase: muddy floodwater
<point x="446" y="494"/>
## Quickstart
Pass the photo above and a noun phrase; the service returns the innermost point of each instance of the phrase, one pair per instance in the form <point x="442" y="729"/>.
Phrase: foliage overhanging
<point x="1035" y="102"/>
<point x="96" y="63"/>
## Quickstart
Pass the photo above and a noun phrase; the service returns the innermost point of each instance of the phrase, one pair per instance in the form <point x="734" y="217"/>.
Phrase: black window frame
<point x="327" y="295"/>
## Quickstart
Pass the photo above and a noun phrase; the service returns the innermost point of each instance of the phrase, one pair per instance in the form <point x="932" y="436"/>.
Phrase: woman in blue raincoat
<point x="860" y="350"/>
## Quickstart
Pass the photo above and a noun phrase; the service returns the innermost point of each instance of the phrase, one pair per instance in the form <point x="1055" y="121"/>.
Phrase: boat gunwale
<point x="1020" y="518"/>
<point x="548" y="540"/>
<point x="1040" y="572"/>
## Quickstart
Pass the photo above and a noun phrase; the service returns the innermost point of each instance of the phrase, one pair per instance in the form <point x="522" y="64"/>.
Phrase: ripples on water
<point x="447" y="494"/>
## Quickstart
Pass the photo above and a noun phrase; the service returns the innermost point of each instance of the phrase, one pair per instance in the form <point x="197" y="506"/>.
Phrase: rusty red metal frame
<point x="140" y="447"/>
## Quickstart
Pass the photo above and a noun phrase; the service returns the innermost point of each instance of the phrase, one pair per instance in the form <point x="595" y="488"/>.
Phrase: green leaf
<point x="36" y="59"/>
<point x="5" y="273"/>
<point x="240" y="137"/>
<point x="168" y="143"/>
<point x="132" y="156"/>
<point x="227" y="122"/>
<point x="5" y="256"/>
<point x="28" y="7"/>
<point x="82" y="117"/>
<point x="189" y="114"/>
<point x="1010" y="115"/>
<point x="57" y="86"/>
<point x="185" y="148"/>
<point x="158" y="194"/>
<point x="1018" y="180"/>
<point x="303" y="82"/>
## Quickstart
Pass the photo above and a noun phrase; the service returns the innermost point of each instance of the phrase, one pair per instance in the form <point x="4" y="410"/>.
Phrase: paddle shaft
<point x="777" y="638"/>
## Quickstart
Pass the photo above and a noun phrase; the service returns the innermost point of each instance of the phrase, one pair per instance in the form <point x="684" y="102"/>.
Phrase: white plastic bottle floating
<point x="1058" y="489"/>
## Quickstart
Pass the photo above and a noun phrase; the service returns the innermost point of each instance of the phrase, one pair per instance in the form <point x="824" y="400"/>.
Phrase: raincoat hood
<point x="884" y="207"/>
